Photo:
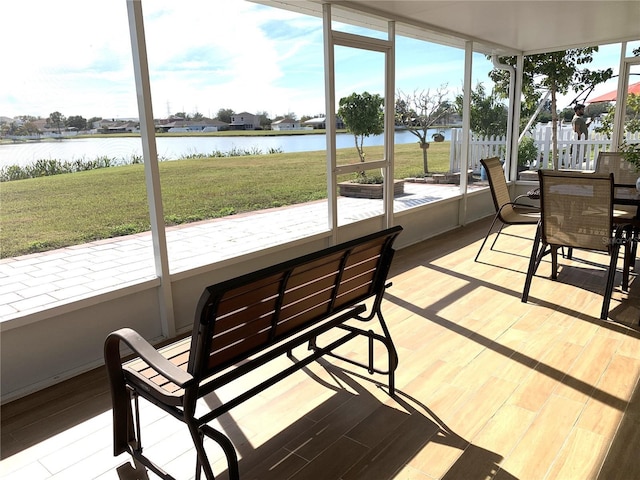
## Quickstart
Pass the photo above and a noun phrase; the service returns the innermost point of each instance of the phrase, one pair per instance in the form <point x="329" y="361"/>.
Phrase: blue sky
<point x="74" y="57"/>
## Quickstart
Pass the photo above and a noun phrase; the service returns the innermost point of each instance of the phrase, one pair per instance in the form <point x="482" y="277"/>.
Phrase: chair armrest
<point x="146" y="352"/>
<point x="521" y="206"/>
<point x="533" y="194"/>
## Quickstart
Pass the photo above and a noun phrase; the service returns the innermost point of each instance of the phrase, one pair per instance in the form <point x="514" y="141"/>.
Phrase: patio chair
<point x="576" y="212"/>
<point x="507" y="212"/>
<point x="624" y="173"/>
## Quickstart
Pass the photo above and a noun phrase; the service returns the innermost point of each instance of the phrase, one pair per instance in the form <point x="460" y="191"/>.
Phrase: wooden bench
<point x="243" y="323"/>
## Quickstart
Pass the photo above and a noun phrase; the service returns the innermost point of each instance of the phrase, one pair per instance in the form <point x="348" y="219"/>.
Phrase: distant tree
<point x="197" y="116"/>
<point x="557" y="72"/>
<point x="265" y="121"/>
<point x="632" y="117"/>
<point x="76" y="121"/>
<point x="31" y="128"/>
<point x="224" y="115"/>
<point x="5" y="128"/>
<point x="290" y="115"/>
<point x="419" y="111"/>
<point x="544" y="116"/>
<point x="93" y="120"/>
<point x="27" y="128"/>
<point x="488" y="113"/>
<point x="597" y="109"/>
<point x="363" y="115"/>
<point x="57" y="120"/>
<point x="567" y="114"/>
<point x="632" y="123"/>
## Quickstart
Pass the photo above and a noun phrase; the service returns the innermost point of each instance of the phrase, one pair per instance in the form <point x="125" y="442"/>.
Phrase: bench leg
<point x="202" y="461"/>
<point x="393" y="354"/>
<point x="227" y="447"/>
<point x="388" y="341"/>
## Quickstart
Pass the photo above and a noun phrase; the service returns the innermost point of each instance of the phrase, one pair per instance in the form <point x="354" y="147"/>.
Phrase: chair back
<point x="577" y="209"/>
<point x="624" y="173"/>
<point x="497" y="182"/>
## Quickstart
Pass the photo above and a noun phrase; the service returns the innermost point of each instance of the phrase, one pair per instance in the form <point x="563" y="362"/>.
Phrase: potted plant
<point x="527" y="154"/>
<point x="631" y="153"/>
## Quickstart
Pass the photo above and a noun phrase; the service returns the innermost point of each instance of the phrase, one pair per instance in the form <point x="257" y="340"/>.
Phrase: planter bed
<point x="368" y="190"/>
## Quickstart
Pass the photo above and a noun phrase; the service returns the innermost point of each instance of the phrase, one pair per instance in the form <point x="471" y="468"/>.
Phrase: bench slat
<point x="237" y="300"/>
<point x="291" y="323"/>
<point x="229" y="337"/>
<point x="293" y="295"/>
<point x="241" y="317"/>
<point x="368" y="253"/>
<point x="356" y="277"/>
<point x="322" y="300"/>
<point x="305" y="274"/>
<point x="240" y="349"/>
<point x="245" y="322"/>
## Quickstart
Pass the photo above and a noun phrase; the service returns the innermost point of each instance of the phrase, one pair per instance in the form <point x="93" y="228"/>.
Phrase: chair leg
<point x="486" y="236"/>
<point x="626" y="264"/>
<point x="630" y="250"/>
<point x="615" y="250"/>
<point x="497" y="235"/>
<point x="634" y="240"/>
<point x="554" y="263"/>
<point x="534" y="261"/>
<point x="569" y="254"/>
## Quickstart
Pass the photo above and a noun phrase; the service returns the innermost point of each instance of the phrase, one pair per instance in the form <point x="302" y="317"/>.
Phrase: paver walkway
<point x="33" y="283"/>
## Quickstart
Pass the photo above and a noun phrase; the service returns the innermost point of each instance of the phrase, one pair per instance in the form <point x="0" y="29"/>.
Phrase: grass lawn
<point x="51" y="212"/>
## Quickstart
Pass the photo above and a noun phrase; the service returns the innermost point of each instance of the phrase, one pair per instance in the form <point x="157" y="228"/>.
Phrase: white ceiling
<point x="528" y="26"/>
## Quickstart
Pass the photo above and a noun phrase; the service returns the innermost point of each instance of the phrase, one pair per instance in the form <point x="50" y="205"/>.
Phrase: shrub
<point x="368" y="179"/>
<point x="527" y="152"/>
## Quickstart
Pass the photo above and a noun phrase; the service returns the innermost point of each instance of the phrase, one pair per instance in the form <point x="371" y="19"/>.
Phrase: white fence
<point x="479" y="147"/>
<point x="572" y="153"/>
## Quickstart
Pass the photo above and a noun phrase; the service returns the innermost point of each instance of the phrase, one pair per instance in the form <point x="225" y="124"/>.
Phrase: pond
<point x="172" y="148"/>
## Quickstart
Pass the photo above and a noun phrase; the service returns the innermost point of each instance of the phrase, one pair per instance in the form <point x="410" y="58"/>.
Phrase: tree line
<point x="556" y="72"/>
<point x="59" y="122"/>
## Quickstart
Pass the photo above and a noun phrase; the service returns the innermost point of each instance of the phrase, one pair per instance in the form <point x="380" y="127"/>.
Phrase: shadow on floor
<point x="351" y="436"/>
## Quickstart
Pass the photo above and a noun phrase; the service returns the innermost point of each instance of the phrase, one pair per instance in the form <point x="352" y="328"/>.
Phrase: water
<point x="171" y="148"/>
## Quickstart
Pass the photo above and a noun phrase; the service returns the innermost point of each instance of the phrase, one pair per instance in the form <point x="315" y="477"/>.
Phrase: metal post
<point x="151" y="170"/>
<point x="330" y="119"/>
<point x="466" y="130"/>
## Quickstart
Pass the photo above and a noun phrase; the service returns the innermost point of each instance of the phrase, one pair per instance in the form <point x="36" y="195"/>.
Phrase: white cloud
<point x="74" y="56"/>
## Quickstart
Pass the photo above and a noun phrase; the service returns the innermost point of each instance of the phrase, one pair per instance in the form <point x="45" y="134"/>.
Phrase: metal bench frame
<point x="240" y="325"/>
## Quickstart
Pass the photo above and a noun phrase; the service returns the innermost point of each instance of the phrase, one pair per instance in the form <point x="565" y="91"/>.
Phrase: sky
<point x="74" y="57"/>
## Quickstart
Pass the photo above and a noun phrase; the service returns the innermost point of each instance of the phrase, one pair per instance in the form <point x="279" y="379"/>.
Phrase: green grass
<point x="44" y="213"/>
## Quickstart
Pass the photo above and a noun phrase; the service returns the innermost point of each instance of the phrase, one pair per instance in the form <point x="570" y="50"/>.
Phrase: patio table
<point x="627" y="195"/>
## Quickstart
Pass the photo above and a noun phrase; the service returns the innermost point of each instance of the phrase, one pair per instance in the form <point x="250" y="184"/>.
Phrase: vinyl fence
<point x="572" y="153"/>
<point x="479" y="147"/>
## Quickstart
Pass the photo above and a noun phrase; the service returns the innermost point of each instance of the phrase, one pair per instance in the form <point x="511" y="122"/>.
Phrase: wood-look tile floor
<point x="488" y="388"/>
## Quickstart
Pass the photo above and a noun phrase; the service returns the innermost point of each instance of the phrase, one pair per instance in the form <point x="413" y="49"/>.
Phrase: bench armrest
<point x="146" y="352"/>
<point x="122" y="427"/>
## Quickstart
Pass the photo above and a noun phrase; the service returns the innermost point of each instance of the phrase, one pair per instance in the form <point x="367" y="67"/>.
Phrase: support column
<point x="151" y="170"/>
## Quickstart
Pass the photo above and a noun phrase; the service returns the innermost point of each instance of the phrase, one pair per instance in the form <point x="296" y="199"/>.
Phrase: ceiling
<point x="528" y="26"/>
